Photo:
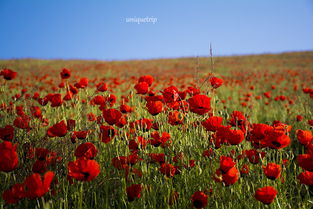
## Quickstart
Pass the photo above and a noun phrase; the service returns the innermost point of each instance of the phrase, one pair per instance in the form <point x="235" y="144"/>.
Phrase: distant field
<point x="163" y="133"/>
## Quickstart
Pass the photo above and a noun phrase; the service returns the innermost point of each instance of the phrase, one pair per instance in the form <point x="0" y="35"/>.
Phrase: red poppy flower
<point x="7" y="133"/>
<point x="276" y="139"/>
<point x="237" y="119"/>
<point x="83" y="169"/>
<point x="102" y="87"/>
<point x="8" y="74"/>
<point x="175" y="118"/>
<point x="306" y="161"/>
<point x="36" y="187"/>
<point x="226" y="163"/>
<point x="212" y="123"/>
<point x="299" y="118"/>
<point x="146" y="78"/>
<point x="306" y="178"/>
<point x="65" y="74"/>
<point x="193" y="91"/>
<point x="272" y="171"/>
<point x="199" y="199"/>
<point x="80" y="134"/>
<point x="304" y="137"/>
<point x="142" y="88"/>
<point x="107" y="133"/>
<point x="9" y="157"/>
<point x="266" y="194"/>
<point x="216" y="82"/>
<point x="125" y="108"/>
<point x="170" y="94"/>
<point x="36" y="111"/>
<point x="168" y="169"/>
<point x="111" y="116"/>
<point x="200" y="104"/>
<point x="58" y="129"/>
<point x="14" y="194"/>
<point x="22" y="122"/>
<point x="157" y="157"/>
<point x="231" y="176"/>
<point x="56" y="100"/>
<point x="111" y="99"/>
<point x="98" y="100"/>
<point x="235" y="137"/>
<point x="258" y="134"/>
<point x="133" y="192"/>
<point x="83" y="82"/>
<point x="160" y="140"/>
<point x="86" y="150"/>
<point x="154" y="107"/>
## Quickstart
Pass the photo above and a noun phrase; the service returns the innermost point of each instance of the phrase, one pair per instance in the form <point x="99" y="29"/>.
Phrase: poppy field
<point x="227" y="132"/>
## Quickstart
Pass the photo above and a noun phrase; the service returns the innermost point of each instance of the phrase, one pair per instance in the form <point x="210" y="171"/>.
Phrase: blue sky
<point x="94" y="29"/>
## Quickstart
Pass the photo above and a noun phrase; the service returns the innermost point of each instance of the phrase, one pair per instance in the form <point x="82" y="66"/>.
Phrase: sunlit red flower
<point x="212" y="123"/>
<point x="58" y="129"/>
<point x="235" y="137"/>
<point x="304" y="137"/>
<point x="142" y="88"/>
<point x="160" y="140"/>
<point x="170" y="94"/>
<point x="56" y="100"/>
<point x="83" y="169"/>
<point x="102" y="87"/>
<point x="216" y="82"/>
<point x="125" y="108"/>
<point x="146" y="78"/>
<point x="226" y="163"/>
<point x="200" y="104"/>
<point x="154" y="107"/>
<point x="175" y="118"/>
<point x="111" y="116"/>
<point x="266" y="194"/>
<point x="277" y="139"/>
<point x="231" y="176"/>
<point x="272" y="171"/>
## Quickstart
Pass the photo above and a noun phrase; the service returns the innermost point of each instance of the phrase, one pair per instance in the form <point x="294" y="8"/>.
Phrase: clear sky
<point x="94" y="29"/>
